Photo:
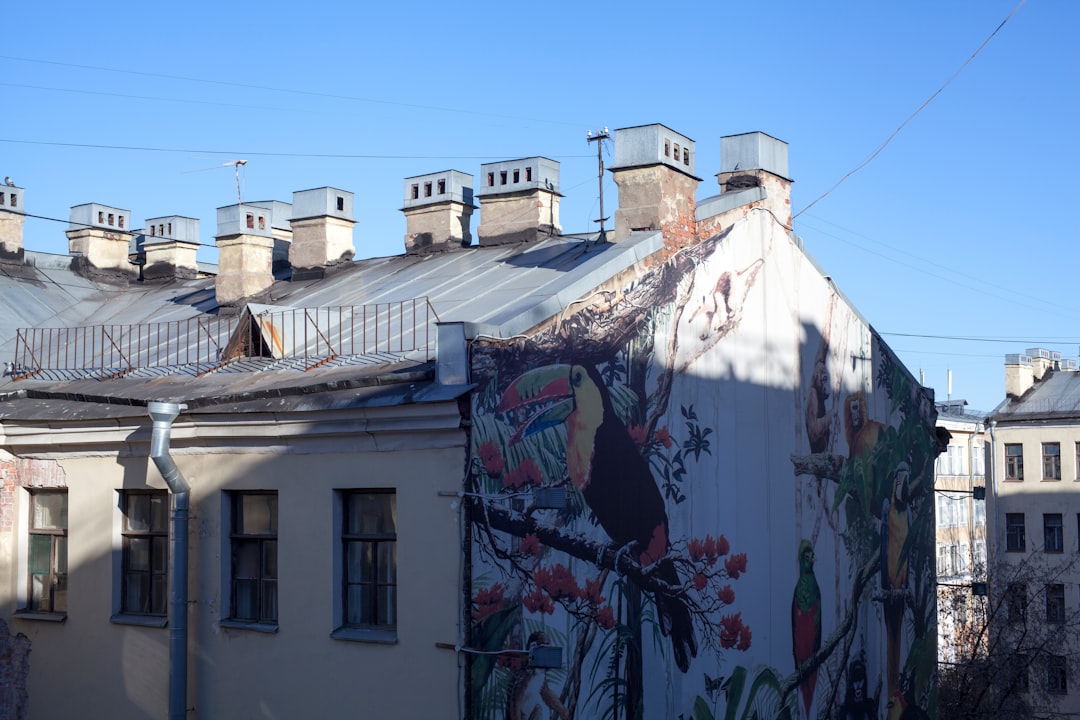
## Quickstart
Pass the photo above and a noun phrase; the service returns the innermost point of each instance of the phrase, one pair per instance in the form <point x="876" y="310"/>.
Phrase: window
<point x="427" y="189"/>
<point x="251" y="221"/>
<point x="502" y="177"/>
<point x="685" y="156"/>
<point x="956" y="460"/>
<point x="369" y="553"/>
<point x="1078" y="461"/>
<point x="978" y="460"/>
<point x="48" y="551"/>
<point x="517" y="176"/>
<point x="152" y="231"/>
<point x="145" y="555"/>
<point x="667" y="148"/>
<point x="14" y="200"/>
<point x="979" y="512"/>
<point x="169" y="226"/>
<point x="254" y="557"/>
<point x="1053" y="541"/>
<point x="415" y="191"/>
<point x="951" y="511"/>
<point x="340" y="204"/>
<point x="1014" y="532"/>
<point x="120" y="220"/>
<point x="1014" y="461"/>
<point x="1016" y="601"/>
<point x="952" y="559"/>
<point x="1019" y="663"/>
<point x="110" y="219"/>
<point x="491" y="179"/>
<point x="1055" y="603"/>
<point x="1051" y="461"/>
<point x="528" y="174"/>
<point x="1057" y="671"/>
<point x="441" y="186"/>
<point x="101" y="217"/>
<point x="262" y="222"/>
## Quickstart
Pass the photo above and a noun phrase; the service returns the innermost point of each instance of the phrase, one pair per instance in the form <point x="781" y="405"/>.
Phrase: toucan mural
<point x="708" y="493"/>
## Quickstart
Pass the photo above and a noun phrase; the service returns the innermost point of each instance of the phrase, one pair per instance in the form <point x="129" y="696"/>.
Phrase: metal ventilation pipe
<point x="163" y="414"/>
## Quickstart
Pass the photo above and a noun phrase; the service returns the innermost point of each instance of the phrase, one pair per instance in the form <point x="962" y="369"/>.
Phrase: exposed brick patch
<point x="16" y="473"/>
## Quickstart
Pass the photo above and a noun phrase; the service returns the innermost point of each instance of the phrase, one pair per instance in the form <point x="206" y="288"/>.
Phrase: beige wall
<point x="121" y="671"/>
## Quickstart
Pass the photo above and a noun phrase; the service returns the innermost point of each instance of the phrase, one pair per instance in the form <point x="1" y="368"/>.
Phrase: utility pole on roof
<point x="599" y="138"/>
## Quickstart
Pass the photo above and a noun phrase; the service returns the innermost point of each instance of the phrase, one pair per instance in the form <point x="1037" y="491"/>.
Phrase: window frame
<point x="347" y="628"/>
<point x="58" y="547"/>
<point x="1053" y="534"/>
<point x="1016" y="602"/>
<point x="1051" y="462"/>
<point x="1057" y="675"/>
<point x="157" y="565"/>
<point x="1055" y="603"/>
<point x="235" y="538"/>
<point x="1014" y="462"/>
<point x="1015" y="532"/>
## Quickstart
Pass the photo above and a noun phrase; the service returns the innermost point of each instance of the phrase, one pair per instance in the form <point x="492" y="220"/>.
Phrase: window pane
<point x="136" y="594"/>
<point x="138" y="512"/>
<point x="256" y="514"/>
<point x="160" y="554"/>
<point x="40" y="554"/>
<point x="371" y="513"/>
<point x="268" y="607"/>
<point x="39" y="592"/>
<point x="61" y="555"/>
<point x="387" y="615"/>
<point x="139" y="554"/>
<point x="158" y="593"/>
<point x="269" y="559"/>
<point x="59" y="599"/>
<point x="50" y="511"/>
<point x="246" y="559"/>
<point x="387" y="562"/>
<point x="159" y="512"/>
<point x="358" y="597"/>
<point x="245" y="599"/>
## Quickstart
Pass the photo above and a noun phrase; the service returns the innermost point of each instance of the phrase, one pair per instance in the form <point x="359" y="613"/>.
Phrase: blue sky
<point x="963" y="227"/>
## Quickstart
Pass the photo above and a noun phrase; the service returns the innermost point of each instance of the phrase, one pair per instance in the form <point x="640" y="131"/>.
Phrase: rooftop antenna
<point x="237" y="164"/>
<point x="599" y="138"/>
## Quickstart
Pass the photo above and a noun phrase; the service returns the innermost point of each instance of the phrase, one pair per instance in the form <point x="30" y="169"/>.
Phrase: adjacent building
<point x="539" y="474"/>
<point x="1035" y="516"/>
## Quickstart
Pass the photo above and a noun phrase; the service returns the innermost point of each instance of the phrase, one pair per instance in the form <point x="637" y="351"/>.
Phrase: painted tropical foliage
<point x="707" y="492"/>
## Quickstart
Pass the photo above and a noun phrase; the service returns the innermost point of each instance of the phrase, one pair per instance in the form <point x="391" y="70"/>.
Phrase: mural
<point x="702" y="528"/>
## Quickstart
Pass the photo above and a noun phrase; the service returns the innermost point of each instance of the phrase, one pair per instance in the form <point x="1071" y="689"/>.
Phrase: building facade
<point x="1035" y="579"/>
<point x="675" y="474"/>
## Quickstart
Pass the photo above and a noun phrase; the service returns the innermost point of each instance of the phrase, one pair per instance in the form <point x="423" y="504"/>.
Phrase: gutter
<point x="163" y="414"/>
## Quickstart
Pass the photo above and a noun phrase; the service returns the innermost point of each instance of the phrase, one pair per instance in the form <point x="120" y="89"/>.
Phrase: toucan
<point x="604" y="463"/>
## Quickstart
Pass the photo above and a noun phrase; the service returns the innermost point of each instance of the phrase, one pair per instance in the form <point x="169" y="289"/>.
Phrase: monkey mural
<point x="818" y="419"/>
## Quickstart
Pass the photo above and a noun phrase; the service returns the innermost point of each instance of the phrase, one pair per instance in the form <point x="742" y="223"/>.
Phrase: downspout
<point x="994" y="494"/>
<point x="163" y="414"/>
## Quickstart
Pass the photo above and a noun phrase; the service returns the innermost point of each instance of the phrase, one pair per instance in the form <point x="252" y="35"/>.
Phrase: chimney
<point x="245" y="252"/>
<point x="654" y="170"/>
<point x="757" y="160"/>
<point x="170" y="244"/>
<point x="280" y="229"/>
<point x="519" y="201"/>
<point x="12" y="217"/>
<point x="438" y="209"/>
<point x="99" y="237"/>
<point x="1019" y="375"/>
<point x="1042" y="361"/>
<point x="322" y="231"/>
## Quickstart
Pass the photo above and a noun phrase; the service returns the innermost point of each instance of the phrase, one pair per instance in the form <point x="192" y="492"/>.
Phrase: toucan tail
<point x="676" y="621"/>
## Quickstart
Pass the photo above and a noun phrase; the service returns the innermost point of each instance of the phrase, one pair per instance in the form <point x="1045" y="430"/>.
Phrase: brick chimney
<point x="170" y="244"/>
<point x="654" y="170"/>
<point x="12" y="217"/>
<point x="99" y="238"/>
<point x="438" y="209"/>
<point x="1019" y="375"/>
<point x="322" y="231"/>
<point x="519" y="201"/>
<point x="245" y="252"/>
<point x="755" y="159"/>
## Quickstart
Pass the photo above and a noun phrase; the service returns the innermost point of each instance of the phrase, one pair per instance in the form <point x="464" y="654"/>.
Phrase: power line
<point x="294" y="91"/>
<point x="963" y="338"/>
<point x="339" y="156"/>
<point x="911" y="117"/>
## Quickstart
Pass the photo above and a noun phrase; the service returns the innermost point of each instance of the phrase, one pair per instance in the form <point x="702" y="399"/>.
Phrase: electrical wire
<point x="911" y="117"/>
<point x="340" y="156"/>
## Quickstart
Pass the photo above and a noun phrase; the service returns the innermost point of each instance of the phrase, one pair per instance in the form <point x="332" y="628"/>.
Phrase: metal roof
<point x="1056" y="396"/>
<point x="493" y="291"/>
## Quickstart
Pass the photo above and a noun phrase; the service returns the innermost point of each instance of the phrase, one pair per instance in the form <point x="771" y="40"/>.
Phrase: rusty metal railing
<point x="311" y="336"/>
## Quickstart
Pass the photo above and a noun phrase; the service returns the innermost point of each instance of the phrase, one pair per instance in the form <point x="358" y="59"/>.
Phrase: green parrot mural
<point x="806" y="620"/>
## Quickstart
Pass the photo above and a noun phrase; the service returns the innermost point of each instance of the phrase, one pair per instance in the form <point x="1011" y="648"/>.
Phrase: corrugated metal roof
<point x="500" y="291"/>
<point x="1057" y="395"/>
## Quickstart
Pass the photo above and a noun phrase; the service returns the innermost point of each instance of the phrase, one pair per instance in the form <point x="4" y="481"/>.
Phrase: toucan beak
<point x="537" y="399"/>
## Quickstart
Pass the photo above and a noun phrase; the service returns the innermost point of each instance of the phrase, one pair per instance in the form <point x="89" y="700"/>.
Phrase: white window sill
<point x="253" y="626"/>
<point x="158" y="621"/>
<point x="368" y="635"/>
<point x="40" y="616"/>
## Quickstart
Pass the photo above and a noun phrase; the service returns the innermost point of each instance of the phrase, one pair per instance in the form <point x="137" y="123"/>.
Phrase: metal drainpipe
<point x="163" y="414"/>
